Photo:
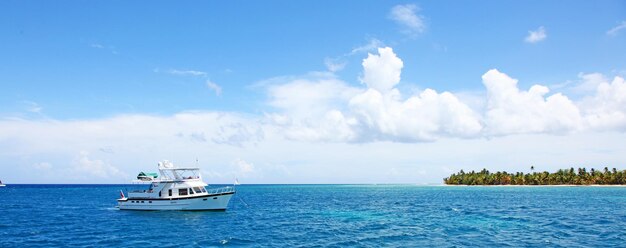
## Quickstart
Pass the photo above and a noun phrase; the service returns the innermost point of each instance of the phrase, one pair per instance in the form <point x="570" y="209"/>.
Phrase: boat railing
<point x="141" y="191"/>
<point x="222" y="190"/>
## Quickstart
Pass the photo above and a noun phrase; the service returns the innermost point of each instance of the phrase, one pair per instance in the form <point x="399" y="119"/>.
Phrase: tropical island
<point x="562" y="177"/>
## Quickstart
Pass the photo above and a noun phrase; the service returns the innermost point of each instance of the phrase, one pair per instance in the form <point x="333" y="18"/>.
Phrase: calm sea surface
<point x="322" y="216"/>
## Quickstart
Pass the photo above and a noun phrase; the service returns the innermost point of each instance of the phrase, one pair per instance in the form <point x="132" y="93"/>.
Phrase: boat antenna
<point x="237" y="195"/>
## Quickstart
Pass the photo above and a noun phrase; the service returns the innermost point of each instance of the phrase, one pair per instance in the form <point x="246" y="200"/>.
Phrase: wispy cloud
<point x="335" y="64"/>
<point x="187" y="73"/>
<point x="33" y="107"/>
<point x="372" y="45"/>
<point x="406" y="16"/>
<point x="213" y="86"/>
<point x="339" y="63"/>
<point x="535" y="36"/>
<point x="104" y="47"/>
<point x="615" y="30"/>
<point x="96" y="45"/>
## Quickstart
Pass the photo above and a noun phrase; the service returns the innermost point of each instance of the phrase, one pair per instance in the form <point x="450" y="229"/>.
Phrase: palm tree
<point x="485" y="177"/>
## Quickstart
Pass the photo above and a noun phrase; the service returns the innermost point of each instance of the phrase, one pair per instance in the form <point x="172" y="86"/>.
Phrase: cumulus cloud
<point x="511" y="111"/>
<point x="424" y="117"/>
<point x="606" y="110"/>
<point x="326" y="109"/>
<point x="406" y="16"/>
<point x="535" y="36"/>
<point x="382" y="71"/>
<point x="615" y="30"/>
<point x="385" y="115"/>
<point x="321" y="113"/>
<point x="309" y="108"/>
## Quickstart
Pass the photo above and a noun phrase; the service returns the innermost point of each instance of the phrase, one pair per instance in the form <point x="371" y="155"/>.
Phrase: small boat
<point x="175" y="189"/>
<point x="1" y="184"/>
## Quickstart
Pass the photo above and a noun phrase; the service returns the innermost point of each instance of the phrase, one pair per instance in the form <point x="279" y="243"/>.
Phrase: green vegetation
<point x="561" y="177"/>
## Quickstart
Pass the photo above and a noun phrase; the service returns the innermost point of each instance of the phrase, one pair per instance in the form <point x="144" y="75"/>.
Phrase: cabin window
<point x="141" y="201"/>
<point x="203" y="190"/>
<point x="169" y="192"/>
<point x="182" y="191"/>
<point x="197" y="189"/>
<point x="149" y="201"/>
<point x="190" y="191"/>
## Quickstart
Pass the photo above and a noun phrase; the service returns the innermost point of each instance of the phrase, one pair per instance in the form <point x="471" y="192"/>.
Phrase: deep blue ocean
<point x="322" y="216"/>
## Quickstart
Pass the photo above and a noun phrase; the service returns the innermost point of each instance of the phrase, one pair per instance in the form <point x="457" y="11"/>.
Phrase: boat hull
<point x="216" y="202"/>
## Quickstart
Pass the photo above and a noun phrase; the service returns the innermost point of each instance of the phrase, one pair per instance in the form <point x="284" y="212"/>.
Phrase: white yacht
<point x="2" y="184"/>
<point x="176" y="189"/>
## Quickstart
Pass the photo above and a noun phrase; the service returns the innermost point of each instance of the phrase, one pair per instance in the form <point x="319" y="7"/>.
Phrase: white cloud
<point x="96" y="45"/>
<point x="315" y="122"/>
<point x="187" y="73"/>
<point x="339" y="63"/>
<point x="511" y="111"/>
<point x="193" y="73"/>
<point x="606" y="110"/>
<point x="382" y="71"/>
<point x="309" y="108"/>
<point x="86" y="167"/>
<point x="325" y="109"/>
<point x="310" y="95"/>
<point x="334" y="65"/>
<point x="615" y="30"/>
<point x="588" y="83"/>
<point x="140" y="141"/>
<point x="100" y="46"/>
<point x="372" y="45"/>
<point x="213" y="86"/>
<point x="406" y="16"/>
<point x="243" y="168"/>
<point x="536" y="35"/>
<point x="236" y="134"/>
<point x="331" y="126"/>
<point x="33" y="107"/>
<point x="424" y="117"/>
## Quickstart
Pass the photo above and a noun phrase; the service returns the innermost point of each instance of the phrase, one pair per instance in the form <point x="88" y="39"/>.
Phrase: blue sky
<point x="253" y="82"/>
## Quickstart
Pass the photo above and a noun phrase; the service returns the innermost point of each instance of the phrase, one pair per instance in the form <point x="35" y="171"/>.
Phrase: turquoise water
<point x="322" y="216"/>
